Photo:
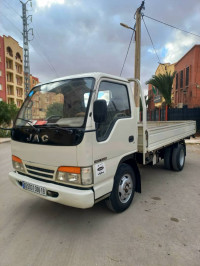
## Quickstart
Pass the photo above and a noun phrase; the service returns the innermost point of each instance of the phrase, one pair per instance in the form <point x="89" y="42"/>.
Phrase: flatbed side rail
<point x="144" y="120"/>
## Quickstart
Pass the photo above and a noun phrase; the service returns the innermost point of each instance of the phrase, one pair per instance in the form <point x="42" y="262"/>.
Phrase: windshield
<point x="60" y="103"/>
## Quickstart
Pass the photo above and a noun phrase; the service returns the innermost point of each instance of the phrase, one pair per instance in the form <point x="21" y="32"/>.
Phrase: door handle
<point x="131" y="138"/>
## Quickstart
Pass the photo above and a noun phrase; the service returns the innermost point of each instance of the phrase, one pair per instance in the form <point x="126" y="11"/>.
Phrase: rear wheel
<point x="123" y="189"/>
<point x="178" y="157"/>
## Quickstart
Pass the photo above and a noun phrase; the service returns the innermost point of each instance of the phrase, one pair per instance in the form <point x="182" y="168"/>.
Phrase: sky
<point x="80" y="36"/>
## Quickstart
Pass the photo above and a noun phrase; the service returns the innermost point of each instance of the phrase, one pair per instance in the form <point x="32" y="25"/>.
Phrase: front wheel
<point x="123" y="189"/>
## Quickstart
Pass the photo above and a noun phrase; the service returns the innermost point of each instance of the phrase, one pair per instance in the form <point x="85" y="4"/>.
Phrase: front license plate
<point x="34" y="188"/>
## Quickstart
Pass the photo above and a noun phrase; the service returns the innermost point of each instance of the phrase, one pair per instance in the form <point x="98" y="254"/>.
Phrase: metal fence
<point x="175" y="114"/>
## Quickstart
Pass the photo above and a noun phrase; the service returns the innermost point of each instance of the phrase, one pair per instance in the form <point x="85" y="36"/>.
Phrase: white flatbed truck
<point x="77" y="140"/>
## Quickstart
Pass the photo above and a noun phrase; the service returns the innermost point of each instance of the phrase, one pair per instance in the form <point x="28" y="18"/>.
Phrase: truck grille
<point x="39" y="172"/>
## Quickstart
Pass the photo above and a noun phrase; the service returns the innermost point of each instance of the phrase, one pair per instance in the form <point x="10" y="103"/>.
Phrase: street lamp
<point x="126" y="26"/>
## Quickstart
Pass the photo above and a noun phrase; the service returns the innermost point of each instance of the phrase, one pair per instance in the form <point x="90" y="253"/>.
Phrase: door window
<point x="116" y="96"/>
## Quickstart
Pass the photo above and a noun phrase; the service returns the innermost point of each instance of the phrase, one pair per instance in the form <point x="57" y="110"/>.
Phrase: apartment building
<point x="13" y="71"/>
<point x="2" y="72"/>
<point x="187" y="80"/>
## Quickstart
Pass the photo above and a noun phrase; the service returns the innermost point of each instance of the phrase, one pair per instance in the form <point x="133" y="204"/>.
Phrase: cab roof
<point x="96" y="75"/>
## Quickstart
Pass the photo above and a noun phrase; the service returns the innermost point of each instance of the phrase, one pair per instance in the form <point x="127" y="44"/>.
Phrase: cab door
<point x="114" y="138"/>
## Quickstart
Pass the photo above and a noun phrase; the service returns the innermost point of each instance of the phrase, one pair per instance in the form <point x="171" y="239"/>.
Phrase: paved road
<point x="162" y="226"/>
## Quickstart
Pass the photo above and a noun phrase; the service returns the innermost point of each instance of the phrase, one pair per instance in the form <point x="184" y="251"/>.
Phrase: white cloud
<point x="48" y="3"/>
<point x="178" y="47"/>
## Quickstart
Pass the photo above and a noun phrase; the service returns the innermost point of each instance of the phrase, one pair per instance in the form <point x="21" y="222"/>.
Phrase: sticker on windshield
<point x="31" y="93"/>
<point x="100" y="169"/>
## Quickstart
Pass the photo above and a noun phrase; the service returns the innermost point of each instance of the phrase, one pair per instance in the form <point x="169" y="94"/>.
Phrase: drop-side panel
<point x="160" y="134"/>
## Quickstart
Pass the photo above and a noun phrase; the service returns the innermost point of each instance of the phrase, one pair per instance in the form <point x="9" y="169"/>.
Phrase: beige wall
<point x="14" y="71"/>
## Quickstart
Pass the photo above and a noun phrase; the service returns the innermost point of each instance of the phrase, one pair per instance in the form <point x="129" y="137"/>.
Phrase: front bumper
<point x="68" y="196"/>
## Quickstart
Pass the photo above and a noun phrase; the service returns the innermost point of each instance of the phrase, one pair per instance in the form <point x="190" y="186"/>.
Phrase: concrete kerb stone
<point x="195" y="140"/>
<point x="3" y="140"/>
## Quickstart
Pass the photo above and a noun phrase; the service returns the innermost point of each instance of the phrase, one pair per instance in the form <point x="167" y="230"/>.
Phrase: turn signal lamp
<point x="75" y="175"/>
<point x="17" y="164"/>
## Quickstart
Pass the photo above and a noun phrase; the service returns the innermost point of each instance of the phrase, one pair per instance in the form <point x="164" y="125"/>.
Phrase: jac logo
<point x="100" y="168"/>
<point x="37" y="139"/>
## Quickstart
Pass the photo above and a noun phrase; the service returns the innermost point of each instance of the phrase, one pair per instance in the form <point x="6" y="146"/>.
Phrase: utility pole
<point x="26" y="40"/>
<point x="138" y="55"/>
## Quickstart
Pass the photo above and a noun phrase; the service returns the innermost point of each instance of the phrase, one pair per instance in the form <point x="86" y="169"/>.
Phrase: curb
<point x="4" y="140"/>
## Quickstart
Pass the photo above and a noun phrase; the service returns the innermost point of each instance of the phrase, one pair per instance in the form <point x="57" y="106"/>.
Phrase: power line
<point x="172" y="26"/>
<point x="42" y="52"/>
<point x="9" y="6"/>
<point x="127" y="52"/>
<point x="151" y="40"/>
<point x="45" y="55"/>
<point x="11" y="22"/>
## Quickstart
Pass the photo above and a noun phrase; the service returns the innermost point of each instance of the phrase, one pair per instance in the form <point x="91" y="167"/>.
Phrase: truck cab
<point x="71" y="138"/>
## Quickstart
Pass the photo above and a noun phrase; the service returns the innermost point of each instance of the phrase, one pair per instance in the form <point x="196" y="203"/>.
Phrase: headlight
<point x="75" y="175"/>
<point x="17" y="164"/>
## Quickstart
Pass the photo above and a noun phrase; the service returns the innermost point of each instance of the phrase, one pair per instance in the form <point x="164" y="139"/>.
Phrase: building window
<point x="181" y="79"/>
<point x="9" y="51"/>
<point x="187" y="76"/>
<point x="18" y="57"/>
<point x="176" y="81"/>
<point x="0" y="58"/>
<point x="0" y="87"/>
<point x="1" y="99"/>
<point x="0" y="73"/>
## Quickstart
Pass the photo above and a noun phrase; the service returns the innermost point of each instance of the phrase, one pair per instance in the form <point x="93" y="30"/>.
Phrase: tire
<point x="123" y="189"/>
<point x="168" y="158"/>
<point x="178" y="157"/>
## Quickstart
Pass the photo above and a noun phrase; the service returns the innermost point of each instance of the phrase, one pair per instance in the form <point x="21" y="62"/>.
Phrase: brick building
<point x="187" y="81"/>
<point x="186" y="86"/>
<point x="33" y="81"/>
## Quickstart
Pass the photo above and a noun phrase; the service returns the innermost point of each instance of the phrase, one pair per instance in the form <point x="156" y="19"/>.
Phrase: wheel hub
<point x="125" y="188"/>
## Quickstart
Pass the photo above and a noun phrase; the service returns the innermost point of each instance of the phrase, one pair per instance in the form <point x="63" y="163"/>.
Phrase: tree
<point x="8" y="112"/>
<point x="55" y="109"/>
<point x="164" y="82"/>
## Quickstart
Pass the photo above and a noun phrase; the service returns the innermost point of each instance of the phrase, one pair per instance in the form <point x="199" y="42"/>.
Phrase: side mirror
<point x="100" y="111"/>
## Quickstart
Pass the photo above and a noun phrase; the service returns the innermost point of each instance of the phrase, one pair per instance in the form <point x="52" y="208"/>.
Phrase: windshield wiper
<point x="69" y="130"/>
<point x="29" y="122"/>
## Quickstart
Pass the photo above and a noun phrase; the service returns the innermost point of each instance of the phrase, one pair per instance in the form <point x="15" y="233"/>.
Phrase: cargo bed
<point x="163" y="133"/>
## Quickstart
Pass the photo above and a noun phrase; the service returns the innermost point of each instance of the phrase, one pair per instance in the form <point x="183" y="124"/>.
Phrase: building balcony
<point x="19" y="73"/>
<point x="10" y="93"/>
<point x="9" y="55"/>
<point x="20" y="84"/>
<point x="10" y="82"/>
<point x="19" y="61"/>
<point x="9" y="70"/>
